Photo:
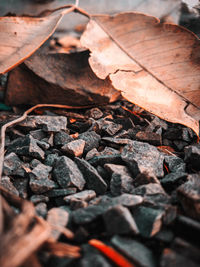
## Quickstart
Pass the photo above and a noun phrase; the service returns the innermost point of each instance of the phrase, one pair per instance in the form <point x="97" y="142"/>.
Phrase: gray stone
<point x="40" y="186"/>
<point x="172" y="180"/>
<point x="51" y="159"/>
<point x="149" y="189"/>
<point x="91" y="139"/>
<point x="26" y="146"/>
<point x="46" y="123"/>
<point x="148" y="220"/>
<point x="189" y="196"/>
<point x="74" y="148"/>
<point x="127" y="200"/>
<point x="41" y="171"/>
<point x="44" y="145"/>
<point x="39" y="198"/>
<point x="7" y="184"/>
<point x="21" y="184"/>
<point x="38" y="134"/>
<point x="117" y="141"/>
<point x="192" y="156"/>
<point x="92" y="153"/>
<point x="114" y="158"/>
<point x="118" y="169"/>
<point x="137" y="252"/>
<point x="120" y="184"/>
<point x="142" y="157"/>
<point x="111" y="128"/>
<point x="77" y="203"/>
<point x="95" y="113"/>
<point x="145" y="178"/>
<point x="61" y="192"/>
<point x="67" y="173"/>
<point x="93" y="180"/>
<point x="34" y="163"/>
<point x="85" y="195"/>
<point x="61" y="138"/>
<point x="13" y="165"/>
<point x="149" y="137"/>
<point x="41" y="209"/>
<point x="58" y="217"/>
<point x="118" y="220"/>
<point x="175" y="164"/>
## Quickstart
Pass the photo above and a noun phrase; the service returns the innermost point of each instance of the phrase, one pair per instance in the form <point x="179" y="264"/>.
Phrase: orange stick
<point x="111" y="253"/>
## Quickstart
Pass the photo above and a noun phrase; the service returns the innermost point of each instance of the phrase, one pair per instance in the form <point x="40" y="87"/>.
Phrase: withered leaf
<point x="58" y="78"/>
<point x="21" y="36"/>
<point x="154" y="65"/>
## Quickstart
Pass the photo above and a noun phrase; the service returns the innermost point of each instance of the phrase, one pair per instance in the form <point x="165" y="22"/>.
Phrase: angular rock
<point x="117" y="141"/>
<point x="21" y="184"/>
<point x="41" y="209"/>
<point x="192" y="156"/>
<point x="120" y="184"/>
<point x="85" y="195"/>
<point x="149" y="137"/>
<point x="38" y="134"/>
<point x="61" y="192"/>
<point x="148" y="220"/>
<point x="13" y="165"/>
<point x="134" y="250"/>
<point x="111" y="128"/>
<point x="74" y="148"/>
<point x="127" y="200"/>
<point x="40" y="186"/>
<point x="7" y="184"/>
<point x="26" y="146"/>
<point x="114" y="158"/>
<point x="118" y="220"/>
<point x="91" y="139"/>
<point x="189" y="196"/>
<point x="149" y="189"/>
<point x="77" y="203"/>
<point x="95" y="113"/>
<point x="41" y="171"/>
<point x="119" y="169"/>
<point x="58" y="217"/>
<point x="142" y="157"/>
<point x="67" y="173"/>
<point x="92" y="153"/>
<point x="175" y="164"/>
<point x="51" y="160"/>
<point x="93" y="180"/>
<point x="39" y="198"/>
<point x="46" y="123"/>
<point x="61" y="138"/>
<point x="172" y="180"/>
<point x="43" y="144"/>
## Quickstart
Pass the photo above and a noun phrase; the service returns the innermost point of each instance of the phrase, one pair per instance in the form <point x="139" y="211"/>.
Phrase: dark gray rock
<point x="41" y="171"/>
<point x="61" y="138"/>
<point x="74" y="148"/>
<point x="148" y="220"/>
<point x="111" y="128"/>
<point x="91" y="139"/>
<point x="118" y="169"/>
<point x="13" y="165"/>
<point x="41" y="209"/>
<point x="85" y="195"/>
<point x="189" y="196"/>
<point x="39" y="198"/>
<point x="92" y="258"/>
<point x="51" y="159"/>
<point x="117" y="141"/>
<point x="26" y="146"/>
<point x="21" y="184"/>
<point x="127" y="200"/>
<point x="175" y="164"/>
<point x="142" y="157"/>
<point x="192" y="156"/>
<point x="92" y="153"/>
<point x="58" y="217"/>
<point x="67" y="173"/>
<point x="40" y="186"/>
<point x="7" y="184"/>
<point x="149" y="189"/>
<point x="118" y="220"/>
<point x="114" y="158"/>
<point x="172" y="180"/>
<point x="149" y="137"/>
<point x="77" y="203"/>
<point x="93" y="180"/>
<point x="43" y="144"/>
<point x="137" y="252"/>
<point x="46" y="123"/>
<point x="95" y="113"/>
<point x="120" y="184"/>
<point x="61" y="192"/>
<point x="38" y="134"/>
<point x="34" y="163"/>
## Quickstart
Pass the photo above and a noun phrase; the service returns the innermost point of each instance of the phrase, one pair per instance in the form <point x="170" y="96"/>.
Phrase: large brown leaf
<point x="154" y="65"/>
<point x="21" y="36"/>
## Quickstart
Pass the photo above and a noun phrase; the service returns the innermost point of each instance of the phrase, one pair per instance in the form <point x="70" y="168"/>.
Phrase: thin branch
<point x="77" y="3"/>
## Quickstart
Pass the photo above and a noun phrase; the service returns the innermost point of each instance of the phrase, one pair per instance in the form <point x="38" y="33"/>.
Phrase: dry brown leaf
<point x="21" y="36"/>
<point x="154" y="65"/>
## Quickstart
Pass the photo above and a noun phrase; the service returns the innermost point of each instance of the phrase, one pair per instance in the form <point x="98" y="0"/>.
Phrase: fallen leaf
<point x="20" y="37"/>
<point x="58" y="78"/>
<point x="154" y="65"/>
